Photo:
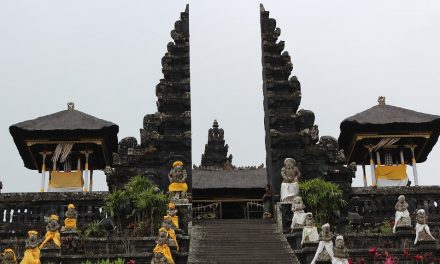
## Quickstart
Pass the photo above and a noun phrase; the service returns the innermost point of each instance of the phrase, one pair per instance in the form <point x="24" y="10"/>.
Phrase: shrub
<point x="322" y="197"/>
<point x="137" y="205"/>
<point x="94" y="229"/>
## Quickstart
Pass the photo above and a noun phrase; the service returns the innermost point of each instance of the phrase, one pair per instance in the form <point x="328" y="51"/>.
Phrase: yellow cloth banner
<point x="31" y="256"/>
<point x="175" y="220"/>
<point x="70" y="223"/>
<point x="178" y="187"/>
<point x="60" y="179"/>
<point x="52" y="235"/>
<point x="172" y="235"/>
<point x="165" y="250"/>
<point x="391" y="172"/>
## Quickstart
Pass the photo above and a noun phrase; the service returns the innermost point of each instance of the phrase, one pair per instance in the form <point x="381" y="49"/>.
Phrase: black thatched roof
<point x="388" y="119"/>
<point x="228" y="179"/>
<point x="67" y="125"/>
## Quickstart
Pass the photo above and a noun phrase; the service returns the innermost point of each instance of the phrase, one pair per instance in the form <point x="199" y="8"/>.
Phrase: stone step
<point x="239" y="241"/>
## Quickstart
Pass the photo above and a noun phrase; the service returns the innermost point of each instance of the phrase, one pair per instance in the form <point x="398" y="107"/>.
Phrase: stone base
<point x="310" y="245"/>
<point x="50" y="252"/>
<point x="71" y="242"/>
<point x="297" y="230"/>
<point x="180" y="201"/>
<point x="426" y="244"/>
<point x="294" y="239"/>
<point x="404" y="230"/>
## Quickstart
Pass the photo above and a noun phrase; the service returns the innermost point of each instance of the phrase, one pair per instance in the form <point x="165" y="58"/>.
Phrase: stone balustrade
<point x="21" y="212"/>
<point x="378" y="204"/>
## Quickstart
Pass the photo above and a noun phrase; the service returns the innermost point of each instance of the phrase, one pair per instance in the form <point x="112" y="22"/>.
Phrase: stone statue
<point x="162" y="252"/>
<point x="289" y="186"/>
<point x="169" y="227"/>
<point x="310" y="232"/>
<point x="422" y="228"/>
<point x="340" y="251"/>
<point x="172" y="213"/>
<point x="32" y="252"/>
<point x="178" y="187"/>
<point x="298" y="213"/>
<point x="325" y="247"/>
<point x="402" y="218"/>
<point x="8" y="256"/>
<point x="52" y="239"/>
<point x="70" y="219"/>
<point x="71" y="241"/>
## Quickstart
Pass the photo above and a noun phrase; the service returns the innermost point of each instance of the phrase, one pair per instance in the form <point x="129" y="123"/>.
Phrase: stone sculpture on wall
<point x="289" y="186"/>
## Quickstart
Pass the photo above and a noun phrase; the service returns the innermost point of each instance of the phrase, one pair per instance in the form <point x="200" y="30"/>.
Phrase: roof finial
<point x="381" y="100"/>
<point x="70" y="106"/>
<point x="215" y="124"/>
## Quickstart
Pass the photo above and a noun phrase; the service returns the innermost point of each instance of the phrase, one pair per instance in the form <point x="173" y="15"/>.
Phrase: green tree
<point x="322" y="197"/>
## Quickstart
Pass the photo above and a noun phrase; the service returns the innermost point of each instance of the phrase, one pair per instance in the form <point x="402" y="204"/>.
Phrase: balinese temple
<point x="388" y="139"/>
<point x="217" y="180"/>
<point x="65" y="148"/>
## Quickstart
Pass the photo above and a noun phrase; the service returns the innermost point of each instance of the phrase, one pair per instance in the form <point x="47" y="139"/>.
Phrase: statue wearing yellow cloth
<point x="172" y="212"/>
<point x="178" y="186"/>
<point x="8" y="256"/>
<point x="168" y="225"/>
<point x="52" y="238"/>
<point x="70" y="219"/>
<point x="162" y="252"/>
<point x="32" y="252"/>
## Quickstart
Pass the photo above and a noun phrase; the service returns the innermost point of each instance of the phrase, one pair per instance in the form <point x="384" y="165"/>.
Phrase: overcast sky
<point x="105" y="56"/>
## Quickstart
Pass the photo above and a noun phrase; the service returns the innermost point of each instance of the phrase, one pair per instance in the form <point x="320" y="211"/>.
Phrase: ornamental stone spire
<point x="216" y="150"/>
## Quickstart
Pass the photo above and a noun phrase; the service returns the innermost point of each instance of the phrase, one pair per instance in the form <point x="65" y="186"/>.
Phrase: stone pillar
<point x="43" y="173"/>
<point x="414" y="165"/>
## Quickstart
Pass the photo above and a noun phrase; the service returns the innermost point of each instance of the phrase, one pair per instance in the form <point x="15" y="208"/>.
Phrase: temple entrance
<point x="227" y="209"/>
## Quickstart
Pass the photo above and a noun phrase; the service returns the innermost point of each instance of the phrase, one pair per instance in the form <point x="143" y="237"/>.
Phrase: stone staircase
<point x="239" y="241"/>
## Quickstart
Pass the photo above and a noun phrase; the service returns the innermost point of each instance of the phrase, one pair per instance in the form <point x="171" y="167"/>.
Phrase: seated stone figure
<point x="8" y="256"/>
<point x="178" y="186"/>
<point x="289" y="186"/>
<point x="162" y="252"/>
<point x="298" y="213"/>
<point x="168" y="226"/>
<point x="172" y="213"/>
<point x="325" y="247"/>
<point x="340" y="251"/>
<point x="52" y="238"/>
<point x="310" y="232"/>
<point x="32" y="252"/>
<point x="402" y="218"/>
<point x="70" y="218"/>
<point x="422" y="228"/>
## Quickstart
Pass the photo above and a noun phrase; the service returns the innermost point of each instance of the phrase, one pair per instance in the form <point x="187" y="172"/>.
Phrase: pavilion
<point x="69" y="145"/>
<point x="388" y="138"/>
